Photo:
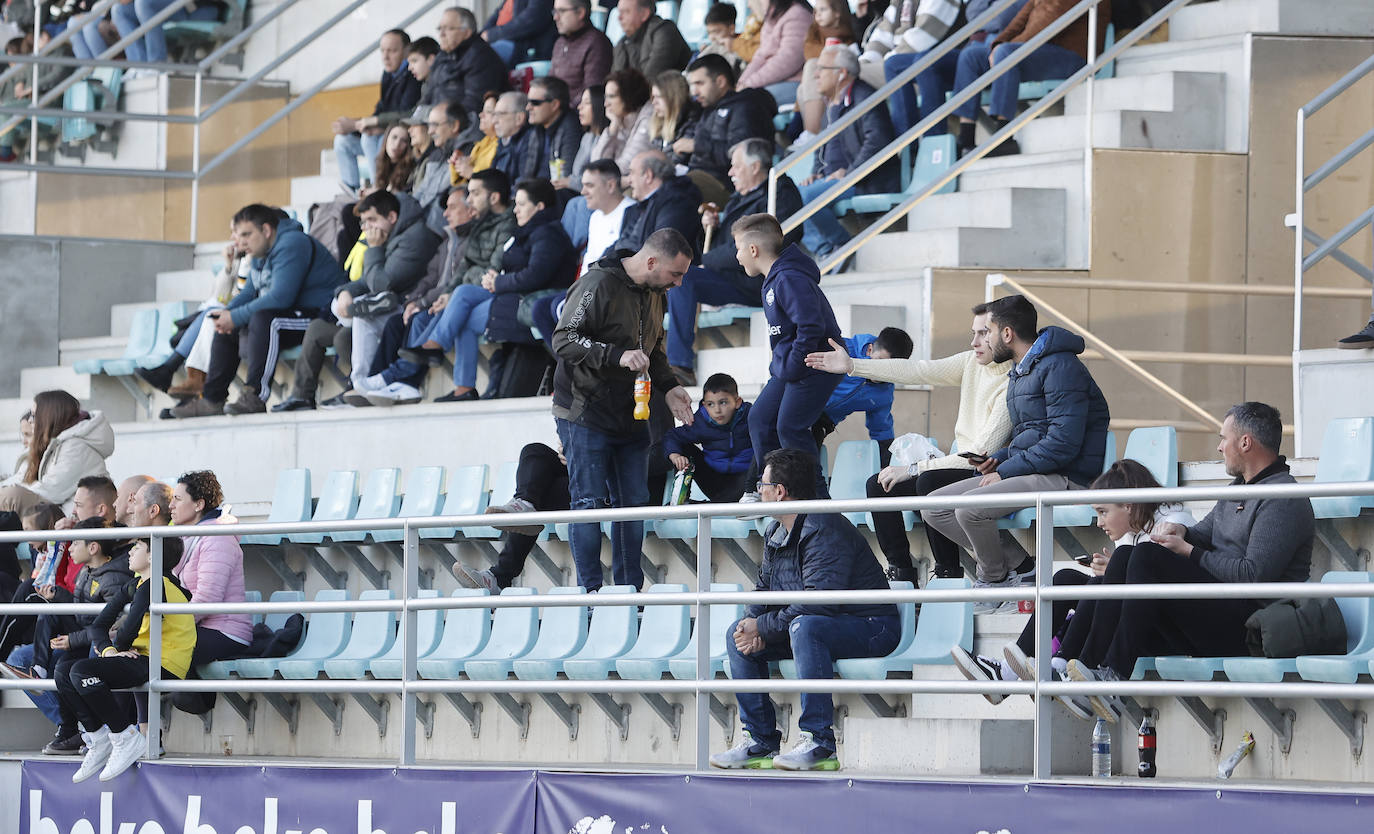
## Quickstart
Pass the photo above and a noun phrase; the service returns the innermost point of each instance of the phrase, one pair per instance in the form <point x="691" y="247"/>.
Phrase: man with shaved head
<point x="124" y="497"/>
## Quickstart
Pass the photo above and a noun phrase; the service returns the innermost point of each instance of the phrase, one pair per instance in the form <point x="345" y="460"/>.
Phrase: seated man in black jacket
<point x="728" y="117"/>
<point x="838" y="80"/>
<point x="666" y="201"/>
<point x="720" y="279"/>
<point x="467" y="67"/>
<point x="517" y="27"/>
<point x="812" y="553"/>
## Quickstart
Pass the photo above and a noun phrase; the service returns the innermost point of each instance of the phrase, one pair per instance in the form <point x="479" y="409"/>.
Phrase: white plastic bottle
<point x="1102" y="750"/>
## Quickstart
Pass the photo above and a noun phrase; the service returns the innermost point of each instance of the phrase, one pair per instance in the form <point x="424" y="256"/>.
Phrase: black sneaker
<point x="896" y="573"/>
<point x="977" y="667"/>
<point x="1360" y="341"/>
<point x="69" y="746"/>
<point x="376" y="304"/>
<point x="294" y="404"/>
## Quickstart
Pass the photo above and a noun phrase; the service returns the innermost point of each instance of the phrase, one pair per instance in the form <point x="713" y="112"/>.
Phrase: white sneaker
<point x="996" y="606"/>
<point x="516" y="505"/>
<point x="806" y="754"/>
<point x="129" y="747"/>
<point x="98" y="750"/>
<point x="1019" y="662"/>
<point x="750" y="498"/>
<point x="371" y="383"/>
<point x="397" y="393"/>
<point x="469" y="578"/>
<point x="746" y="753"/>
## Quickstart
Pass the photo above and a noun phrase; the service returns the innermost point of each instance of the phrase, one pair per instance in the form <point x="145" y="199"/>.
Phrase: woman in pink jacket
<point x="777" y="66"/>
<point x="211" y="569"/>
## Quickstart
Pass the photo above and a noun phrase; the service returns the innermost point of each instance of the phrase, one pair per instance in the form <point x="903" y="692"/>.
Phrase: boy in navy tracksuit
<point x="800" y="321"/>
<point x="874" y="399"/>
<point x="716" y="444"/>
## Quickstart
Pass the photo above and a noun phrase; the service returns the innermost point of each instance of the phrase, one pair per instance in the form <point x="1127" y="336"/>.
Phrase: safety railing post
<point x="703" y="699"/>
<point x="1088" y="138"/>
<point x="410" y="557"/>
<point x="1299" y="193"/>
<point x="154" y="579"/>
<point x="195" y="157"/>
<point x="1044" y="568"/>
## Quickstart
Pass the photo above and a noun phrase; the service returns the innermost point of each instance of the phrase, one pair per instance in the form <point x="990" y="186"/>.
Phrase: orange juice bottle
<point x="642" y="396"/>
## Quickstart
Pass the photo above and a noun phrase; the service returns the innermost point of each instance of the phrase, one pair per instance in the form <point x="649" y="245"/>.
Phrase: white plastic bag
<point x="913" y="448"/>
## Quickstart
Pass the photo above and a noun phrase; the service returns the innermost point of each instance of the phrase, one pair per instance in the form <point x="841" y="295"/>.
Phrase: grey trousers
<point x="975" y="529"/>
<point x="318" y="338"/>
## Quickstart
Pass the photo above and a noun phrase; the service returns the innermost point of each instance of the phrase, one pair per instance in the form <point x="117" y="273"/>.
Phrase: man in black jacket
<point x="728" y="117"/>
<point x="720" y="279"/>
<point x="518" y="26"/>
<point x="666" y="201"/>
<point x="804" y="553"/>
<point x="838" y="80"/>
<point x="467" y="66"/>
<point x="557" y="133"/>
<point x="651" y="44"/>
<point x="516" y="139"/>
<point x="400" y="91"/>
<point x="610" y="333"/>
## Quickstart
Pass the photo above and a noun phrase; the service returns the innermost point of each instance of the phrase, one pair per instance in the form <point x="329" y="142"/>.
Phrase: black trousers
<point x="541" y="479"/>
<point x="88" y="689"/>
<point x="48" y="627"/>
<point x="249" y="343"/>
<point x="1202" y="627"/>
<point x="1089" y="633"/>
<point x="719" y="487"/>
<point x="891" y="531"/>
<point x="1059" y="610"/>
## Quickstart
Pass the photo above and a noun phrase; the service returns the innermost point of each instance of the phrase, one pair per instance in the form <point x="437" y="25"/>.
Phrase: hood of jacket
<point x="94" y="431"/>
<point x="1051" y="340"/>
<point x="408" y="216"/>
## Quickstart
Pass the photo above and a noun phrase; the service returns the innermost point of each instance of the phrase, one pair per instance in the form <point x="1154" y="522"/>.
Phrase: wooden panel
<point x="309" y="125"/>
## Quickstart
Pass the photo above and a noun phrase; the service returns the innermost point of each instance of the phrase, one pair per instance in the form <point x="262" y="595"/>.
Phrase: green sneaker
<point x="747" y="753"/>
<point x="806" y="754"/>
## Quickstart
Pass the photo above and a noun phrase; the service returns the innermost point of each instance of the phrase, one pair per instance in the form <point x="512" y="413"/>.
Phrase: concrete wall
<point x="51" y="288"/>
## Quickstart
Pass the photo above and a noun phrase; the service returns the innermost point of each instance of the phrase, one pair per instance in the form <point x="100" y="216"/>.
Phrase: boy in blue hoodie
<point x="874" y="399"/>
<point x="800" y="321"/>
<point x="716" y="444"/>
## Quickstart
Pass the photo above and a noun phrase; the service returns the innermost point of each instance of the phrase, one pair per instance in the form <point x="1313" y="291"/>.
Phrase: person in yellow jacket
<point x="112" y="743"/>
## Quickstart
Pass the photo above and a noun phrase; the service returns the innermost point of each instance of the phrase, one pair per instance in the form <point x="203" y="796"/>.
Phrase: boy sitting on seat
<point x="717" y="443"/>
<point x="855" y="393"/>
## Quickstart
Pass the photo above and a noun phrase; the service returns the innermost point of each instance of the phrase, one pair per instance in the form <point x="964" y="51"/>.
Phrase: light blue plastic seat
<point x="1034" y="90"/>
<point x="290" y="504"/>
<point x="934" y="156"/>
<point x="940" y="627"/>
<point x="611" y="634"/>
<point x="277" y="621"/>
<point x="253" y="596"/>
<point x="467" y="495"/>
<point x="463" y="633"/>
<point x="662" y="634"/>
<point x="513" y="632"/>
<point x="353" y="662"/>
<point x="424" y="496"/>
<point x="1156" y="448"/>
<point x="614" y="31"/>
<point x="338" y="502"/>
<point x="369" y="635"/>
<point x="502" y="491"/>
<point x="725" y="316"/>
<point x="687" y="528"/>
<point x="1358" y="613"/>
<point x="142" y="336"/>
<point x="562" y="631"/>
<point x="378" y="500"/>
<point x="1183" y="668"/>
<point x="1347" y="455"/>
<point x="222" y="669"/>
<point x="723" y="615"/>
<point x="326" y="633"/>
<point x="1073" y="515"/>
<point x="855" y="462"/>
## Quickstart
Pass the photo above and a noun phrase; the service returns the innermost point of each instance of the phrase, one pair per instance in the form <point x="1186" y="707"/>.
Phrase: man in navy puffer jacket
<point x="800" y="321"/>
<point x="723" y="465"/>
<point x="1058" y="438"/>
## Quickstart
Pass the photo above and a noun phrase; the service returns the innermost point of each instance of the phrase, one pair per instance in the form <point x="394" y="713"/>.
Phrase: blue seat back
<point x="1156" y="448"/>
<point x="373" y="631"/>
<point x="339" y="497"/>
<point x="665" y="628"/>
<point x="291" y="497"/>
<point x="1358" y="612"/>
<point x="855" y="462"/>
<point x="614" y="31"/>
<point x="326" y="632"/>
<point x="467" y="490"/>
<point x="723" y="617"/>
<point x="1347" y="455"/>
<point x="513" y="630"/>
<point x="562" y="629"/>
<point x="379" y="499"/>
<point x="277" y="622"/>
<point x="934" y="156"/>
<point x="691" y="21"/>
<point x="465" y="629"/>
<point x="424" y="492"/>
<point x="428" y="627"/>
<point x="613" y="627"/>
<point x="943" y="625"/>
<point x="142" y="334"/>
<point x="502" y="490"/>
<point x="907" y="612"/>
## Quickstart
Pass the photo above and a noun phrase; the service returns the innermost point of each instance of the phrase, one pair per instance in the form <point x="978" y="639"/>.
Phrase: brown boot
<point x="194" y="384"/>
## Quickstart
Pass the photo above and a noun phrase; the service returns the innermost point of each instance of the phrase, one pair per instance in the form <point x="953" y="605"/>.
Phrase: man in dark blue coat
<point x="467" y="67"/>
<point x="1058" y="438"/>
<point x="518" y="26"/>
<point x="800" y="321"/>
<point x="812" y="553"/>
<point x="665" y="202"/>
<point x="838" y="80"/>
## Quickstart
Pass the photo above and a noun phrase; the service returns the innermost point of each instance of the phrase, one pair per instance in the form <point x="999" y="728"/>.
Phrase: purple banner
<point x="664" y="804"/>
<point x="162" y="798"/>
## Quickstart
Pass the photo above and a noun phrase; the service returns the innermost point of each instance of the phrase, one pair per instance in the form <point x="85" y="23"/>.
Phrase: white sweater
<point x="1166" y="514"/>
<point x="983" y="424"/>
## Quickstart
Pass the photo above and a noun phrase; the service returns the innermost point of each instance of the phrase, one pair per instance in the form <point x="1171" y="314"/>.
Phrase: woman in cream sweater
<point x="982" y="426"/>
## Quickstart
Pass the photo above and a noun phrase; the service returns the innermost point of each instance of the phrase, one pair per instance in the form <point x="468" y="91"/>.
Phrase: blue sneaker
<point x="807" y="754"/>
<point x="747" y="753"/>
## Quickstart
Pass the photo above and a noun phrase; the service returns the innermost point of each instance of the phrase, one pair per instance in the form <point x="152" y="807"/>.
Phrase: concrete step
<point x="1227" y="55"/>
<point x="1285" y="17"/>
<point x="185" y="285"/>
<point x="329" y="164"/>
<point x="122" y="315"/>
<point x="47" y="378"/>
<point x="1008" y="228"/>
<point x="71" y="351"/>
<point x="308" y="190"/>
<point x="748" y="365"/>
<point x="11" y="409"/>
<point x="208" y="254"/>
<point x="1161" y="111"/>
<point x="852" y="318"/>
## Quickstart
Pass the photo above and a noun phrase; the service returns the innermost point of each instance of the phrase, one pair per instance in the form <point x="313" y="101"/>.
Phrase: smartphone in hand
<point x="973" y="457"/>
<point x="1085" y="560"/>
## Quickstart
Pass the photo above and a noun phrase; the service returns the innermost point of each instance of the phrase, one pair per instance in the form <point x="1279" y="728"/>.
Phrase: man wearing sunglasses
<point x="557" y="133"/>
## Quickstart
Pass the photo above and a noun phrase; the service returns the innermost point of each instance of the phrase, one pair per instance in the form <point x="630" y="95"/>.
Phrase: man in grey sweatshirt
<point x="1254" y="540"/>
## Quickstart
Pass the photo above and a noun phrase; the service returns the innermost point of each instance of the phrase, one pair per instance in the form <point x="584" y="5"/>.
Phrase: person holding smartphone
<point x="982" y="425"/>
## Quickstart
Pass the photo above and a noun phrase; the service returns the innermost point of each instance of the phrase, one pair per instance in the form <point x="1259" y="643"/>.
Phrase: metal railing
<point x="1085" y="75"/>
<point x="200" y="113"/>
<point x="705" y="686"/>
<point x="1297" y="221"/>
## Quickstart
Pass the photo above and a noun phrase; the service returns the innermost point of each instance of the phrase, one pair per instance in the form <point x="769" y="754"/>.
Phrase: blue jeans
<point x="784" y="92"/>
<point x="87" y="41"/>
<point x="152" y="46"/>
<point x="576" y="221"/>
<point x="506" y="49"/>
<point x="460" y="325"/>
<point x="816" y="641"/>
<point x="702" y="286"/>
<point x="1049" y="61"/>
<point x="934" y="83"/>
<point x="188" y="339"/>
<point x="546" y="313"/>
<point x="607" y="471"/>
<point x="783" y="415"/>
<point x="22" y="656"/>
<point x="348" y="147"/>
<point x="822" y="232"/>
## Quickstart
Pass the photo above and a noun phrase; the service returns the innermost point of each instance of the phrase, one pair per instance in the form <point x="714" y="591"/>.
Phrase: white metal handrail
<point x="408" y="606"/>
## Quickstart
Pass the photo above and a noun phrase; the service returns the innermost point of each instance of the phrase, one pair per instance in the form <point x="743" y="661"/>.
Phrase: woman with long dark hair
<point x="395" y="164"/>
<point x="627" y="99"/>
<point x="68" y="444"/>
